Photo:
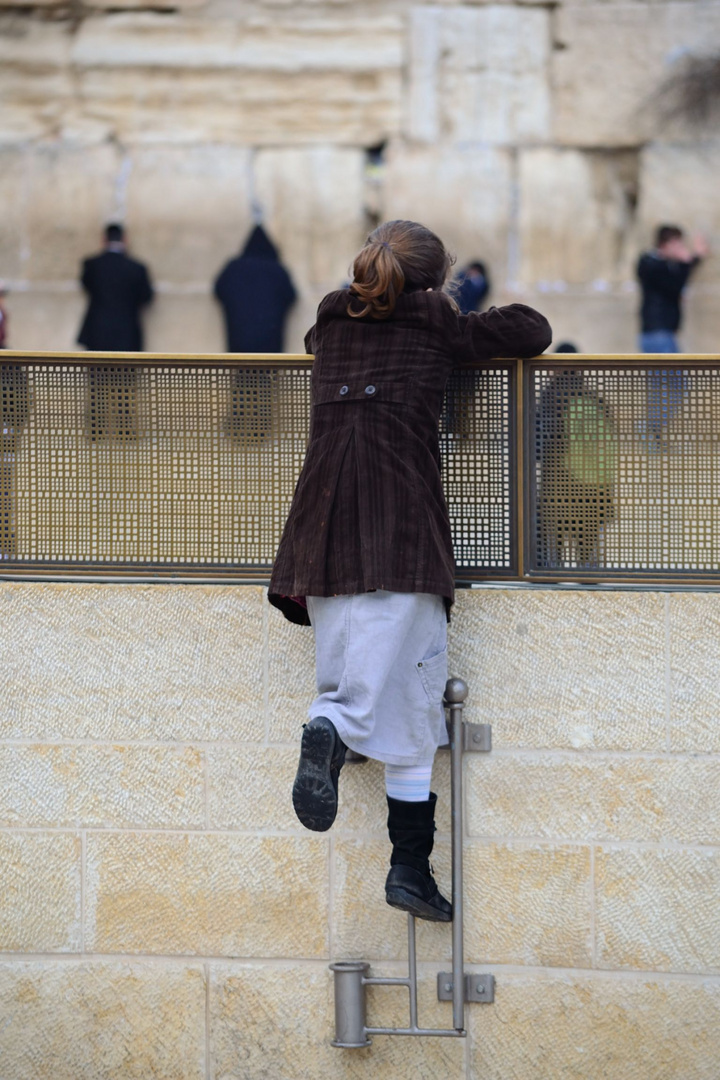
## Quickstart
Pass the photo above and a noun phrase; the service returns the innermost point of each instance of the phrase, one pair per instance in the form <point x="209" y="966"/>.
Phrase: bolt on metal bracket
<point x="477" y="737"/>
<point x="479" y="988"/>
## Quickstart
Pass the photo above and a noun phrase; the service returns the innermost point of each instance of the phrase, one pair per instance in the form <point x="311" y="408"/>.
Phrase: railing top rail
<point x="241" y="360"/>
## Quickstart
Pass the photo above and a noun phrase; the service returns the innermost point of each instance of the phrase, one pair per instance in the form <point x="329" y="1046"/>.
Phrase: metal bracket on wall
<point x="477" y="987"/>
<point x="477" y="737"/>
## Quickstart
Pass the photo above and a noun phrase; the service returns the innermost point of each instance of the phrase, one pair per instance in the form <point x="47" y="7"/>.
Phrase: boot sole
<point x="314" y="796"/>
<point x="406" y="901"/>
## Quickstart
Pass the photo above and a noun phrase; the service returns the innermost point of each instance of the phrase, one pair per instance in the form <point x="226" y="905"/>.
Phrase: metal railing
<point x="573" y="468"/>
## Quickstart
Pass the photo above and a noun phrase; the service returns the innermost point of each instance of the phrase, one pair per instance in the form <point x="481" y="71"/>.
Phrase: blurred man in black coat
<point x="118" y="287"/>
<point x="256" y="293"/>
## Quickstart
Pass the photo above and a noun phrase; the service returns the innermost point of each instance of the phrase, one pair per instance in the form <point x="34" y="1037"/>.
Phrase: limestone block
<point x="312" y="200"/>
<point x="694" y="654"/>
<point x="365" y="927"/>
<point x="212" y="894"/>
<point x="596" y="320"/>
<point x="101" y="785"/>
<point x="70" y="196"/>
<point x="188" y="208"/>
<point x="250" y="788"/>
<point x="575" y="211"/>
<point x="40" y="897"/>
<point x="628" y="48"/>
<point x="265" y="81"/>
<point x="678" y="184"/>
<point x="573" y="670"/>
<point x="478" y="75"/>
<point x="35" y="78"/>
<point x="597" y="797"/>
<point x="528" y="904"/>
<point x="104" y="662"/>
<point x="12" y="194"/>
<point x="178" y="322"/>
<point x="657" y="910"/>
<point x="44" y="319"/>
<point x="362" y="804"/>
<point x="462" y="194"/>
<point x="594" y="1028"/>
<point x="278" y="1022"/>
<point x="74" y="1021"/>
<point x="700" y="332"/>
<point x="291" y="676"/>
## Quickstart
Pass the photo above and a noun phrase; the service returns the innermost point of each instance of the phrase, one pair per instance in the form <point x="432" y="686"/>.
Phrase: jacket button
<point x="370" y="390"/>
<point x="344" y="390"/>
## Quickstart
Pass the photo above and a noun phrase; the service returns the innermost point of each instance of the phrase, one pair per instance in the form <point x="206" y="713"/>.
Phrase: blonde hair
<point x="399" y="256"/>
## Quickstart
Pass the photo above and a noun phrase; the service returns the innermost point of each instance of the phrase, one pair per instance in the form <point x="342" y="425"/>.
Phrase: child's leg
<point x="408" y="783"/>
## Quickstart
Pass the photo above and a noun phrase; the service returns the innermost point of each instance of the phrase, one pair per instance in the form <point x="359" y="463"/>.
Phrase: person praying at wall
<point x="366" y="554"/>
<point x="256" y="294"/>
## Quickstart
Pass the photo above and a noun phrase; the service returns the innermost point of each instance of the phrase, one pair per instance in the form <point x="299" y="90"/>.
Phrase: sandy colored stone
<point x="178" y="322"/>
<point x="87" y="786"/>
<point x="12" y="193"/>
<point x="657" y="910"/>
<point x="595" y="318"/>
<point x="478" y="74"/>
<point x="188" y="208"/>
<point x="35" y="78"/>
<point x="40" y="319"/>
<point x="291" y="676"/>
<point x="595" y="1028"/>
<point x="527" y="904"/>
<point x="461" y="193"/>
<point x="694" y="655"/>
<point x="212" y="894"/>
<point x="279" y="1022"/>
<point x="363" y="804"/>
<point x="40" y="896"/>
<point x="628" y="48"/>
<point x="678" y="184"/>
<point x="160" y="662"/>
<point x="102" y="1021"/>
<point x="551" y="669"/>
<point x="595" y="797"/>
<point x="251" y="787"/>
<point x="575" y="211"/>
<point x="364" y="926"/>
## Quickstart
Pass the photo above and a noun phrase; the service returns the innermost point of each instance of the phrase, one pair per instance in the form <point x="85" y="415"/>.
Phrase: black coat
<point x="662" y="282"/>
<point x="118" y="287"/>
<point x="256" y="293"/>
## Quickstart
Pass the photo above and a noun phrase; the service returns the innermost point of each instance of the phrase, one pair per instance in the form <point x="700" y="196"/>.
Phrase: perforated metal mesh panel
<point x="624" y="468"/>
<point x="190" y="467"/>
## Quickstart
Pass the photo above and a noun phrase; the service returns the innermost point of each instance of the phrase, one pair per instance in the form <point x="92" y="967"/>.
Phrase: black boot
<point x="410" y="885"/>
<point x="315" y="791"/>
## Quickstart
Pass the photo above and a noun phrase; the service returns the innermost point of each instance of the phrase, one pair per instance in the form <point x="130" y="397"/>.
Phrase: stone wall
<point x="521" y="131"/>
<point x="163" y="914"/>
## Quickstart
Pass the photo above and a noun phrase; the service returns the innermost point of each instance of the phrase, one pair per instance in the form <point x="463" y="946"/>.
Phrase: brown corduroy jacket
<point x="369" y="510"/>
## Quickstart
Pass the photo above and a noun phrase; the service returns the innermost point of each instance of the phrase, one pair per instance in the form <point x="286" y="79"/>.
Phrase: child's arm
<point x="515" y="330"/>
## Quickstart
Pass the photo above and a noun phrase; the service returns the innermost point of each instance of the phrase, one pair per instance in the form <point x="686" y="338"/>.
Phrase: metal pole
<point x="350" y="1003"/>
<point x="455" y="694"/>
<point x="412" y="972"/>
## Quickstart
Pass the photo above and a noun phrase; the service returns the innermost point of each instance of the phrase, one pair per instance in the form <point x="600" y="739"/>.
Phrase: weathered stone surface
<point x="261" y="82"/>
<point x="365" y="927"/>
<point x="40" y="895"/>
<point x="597" y="321"/>
<point x="657" y="910"/>
<point x="188" y="208"/>
<point x="43" y="319"/>
<point x="250" y="788"/>
<point x="291" y="676"/>
<point x="575" y="211"/>
<point x="101" y="785"/>
<point x="678" y="184"/>
<point x="161" y="662"/>
<point x="362" y="806"/>
<point x="528" y="904"/>
<point x="594" y="797"/>
<point x="261" y="1026"/>
<point x="12" y="194"/>
<point x="594" y="1028"/>
<point x="178" y="322"/>
<point x="463" y="194"/>
<point x="478" y="74"/>
<point x="694" y="654"/>
<point x="212" y="894"/>
<point x="545" y="668"/>
<point x="35" y="79"/>
<point x="625" y="48"/>
<point x="80" y="1021"/>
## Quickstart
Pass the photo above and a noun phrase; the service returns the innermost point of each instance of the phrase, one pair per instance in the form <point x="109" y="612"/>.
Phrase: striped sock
<point x="408" y="783"/>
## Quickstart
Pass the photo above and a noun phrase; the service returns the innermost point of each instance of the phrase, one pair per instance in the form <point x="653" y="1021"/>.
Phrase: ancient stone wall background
<point x="163" y="914"/>
<point x="520" y="131"/>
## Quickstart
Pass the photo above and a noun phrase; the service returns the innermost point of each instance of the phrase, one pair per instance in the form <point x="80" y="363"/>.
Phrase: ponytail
<point x="378" y="279"/>
<point x="399" y="256"/>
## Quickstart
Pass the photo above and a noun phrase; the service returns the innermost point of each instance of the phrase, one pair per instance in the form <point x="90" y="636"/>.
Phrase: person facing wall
<point x="256" y="294"/>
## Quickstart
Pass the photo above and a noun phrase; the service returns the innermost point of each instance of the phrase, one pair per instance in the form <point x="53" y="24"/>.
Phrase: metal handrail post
<point x="455" y="694"/>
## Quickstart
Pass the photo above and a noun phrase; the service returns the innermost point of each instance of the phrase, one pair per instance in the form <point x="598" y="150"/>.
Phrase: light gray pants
<point x="381" y="664"/>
